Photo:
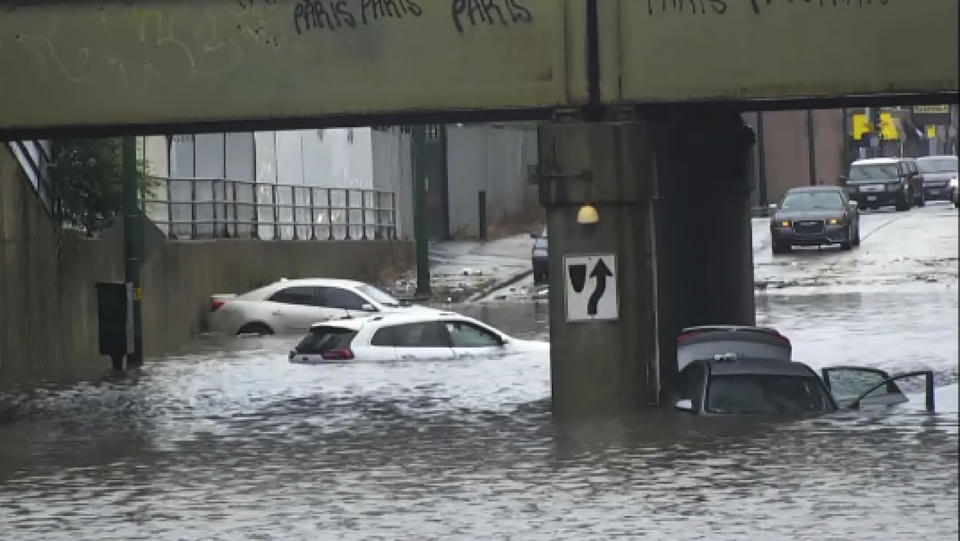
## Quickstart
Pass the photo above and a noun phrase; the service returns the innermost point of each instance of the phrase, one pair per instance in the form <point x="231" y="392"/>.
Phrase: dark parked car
<point x="538" y="256"/>
<point x="939" y="177"/>
<point x="814" y="216"/>
<point x="728" y="378"/>
<point x="882" y="182"/>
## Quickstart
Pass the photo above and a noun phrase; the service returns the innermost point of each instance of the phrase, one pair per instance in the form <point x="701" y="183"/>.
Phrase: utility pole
<point x="132" y="240"/>
<point x="418" y="140"/>
<point x="811" y="145"/>
<point x="762" y="161"/>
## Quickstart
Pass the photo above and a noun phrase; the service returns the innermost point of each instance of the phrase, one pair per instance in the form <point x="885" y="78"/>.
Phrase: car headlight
<point x="833" y="221"/>
<point x="783" y="223"/>
<point x="954" y="183"/>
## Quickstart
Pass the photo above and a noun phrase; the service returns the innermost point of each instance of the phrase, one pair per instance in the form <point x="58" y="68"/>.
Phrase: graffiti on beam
<point x="489" y="12"/>
<point x="758" y="7"/>
<point x="335" y="14"/>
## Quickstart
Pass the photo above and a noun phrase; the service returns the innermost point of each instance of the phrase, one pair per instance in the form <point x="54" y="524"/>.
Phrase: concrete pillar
<point x="702" y="213"/>
<point x="601" y="366"/>
<point x="673" y="198"/>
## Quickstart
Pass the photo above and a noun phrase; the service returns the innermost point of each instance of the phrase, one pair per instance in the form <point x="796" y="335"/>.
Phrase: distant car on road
<point x="939" y="177"/>
<point x="538" y="256"/>
<point x="294" y="305"/>
<point x="881" y="182"/>
<point x="421" y="336"/>
<point x="731" y="375"/>
<point x="814" y="216"/>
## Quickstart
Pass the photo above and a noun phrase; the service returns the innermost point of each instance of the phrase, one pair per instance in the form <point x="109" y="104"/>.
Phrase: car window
<point x="874" y="172"/>
<point x="468" y="335"/>
<point x="303" y="296"/>
<point x="814" y="200"/>
<point x="752" y="393"/>
<point x="335" y="297"/>
<point x="323" y="339"/>
<point x="412" y="335"/>
<point x="937" y="165"/>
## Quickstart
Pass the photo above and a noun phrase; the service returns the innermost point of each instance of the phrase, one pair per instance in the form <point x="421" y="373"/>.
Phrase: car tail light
<point x="215" y="304"/>
<point x="688" y="335"/>
<point x="343" y="354"/>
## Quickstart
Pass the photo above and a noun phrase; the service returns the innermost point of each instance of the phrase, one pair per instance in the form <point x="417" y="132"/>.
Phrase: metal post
<point x="482" y="214"/>
<point x="393" y="215"/>
<point x="363" y="213"/>
<point x="171" y="233"/>
<point x="293" y="209"/>
<point x="276" y="212"/>
<point x="329" y="215"/>
<point x="811" y="145"/>
<point x="132" y="241"/>
<point x="216" y="222"/>
<point x="193" y="209"/>
<point x="313" y="219"/>
<point x="418" y="140"/>
<point x="445" y="182"/>
<point x="236" y="212"/>
<point x="347" y="212"/>
<point x="762" y="161"/>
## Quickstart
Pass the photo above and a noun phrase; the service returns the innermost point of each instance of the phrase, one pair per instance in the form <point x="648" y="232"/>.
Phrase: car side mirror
<point x="684" y="405"/>
<point x="368" y="308"/>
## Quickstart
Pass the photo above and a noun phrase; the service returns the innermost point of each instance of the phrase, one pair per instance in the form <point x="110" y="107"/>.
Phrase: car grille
<point x="808" y="227"/>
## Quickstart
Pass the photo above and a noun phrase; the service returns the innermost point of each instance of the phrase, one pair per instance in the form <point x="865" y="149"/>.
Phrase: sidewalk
<point x="467" y="270"/>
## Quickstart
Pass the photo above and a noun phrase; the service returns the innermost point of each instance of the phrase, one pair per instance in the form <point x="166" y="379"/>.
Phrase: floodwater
<point x="229" y="441"/>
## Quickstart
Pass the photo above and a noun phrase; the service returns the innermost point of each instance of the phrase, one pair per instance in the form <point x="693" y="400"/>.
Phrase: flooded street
<point x="228" y="440"/>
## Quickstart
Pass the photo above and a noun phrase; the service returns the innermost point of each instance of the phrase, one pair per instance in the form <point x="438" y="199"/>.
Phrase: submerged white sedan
<point x="292" y="306"/>
<point x="419" y="336"/>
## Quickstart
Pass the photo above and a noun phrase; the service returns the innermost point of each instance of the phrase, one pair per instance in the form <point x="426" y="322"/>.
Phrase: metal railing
<point x="203" y="208"/>
<point x="34" y="158"/>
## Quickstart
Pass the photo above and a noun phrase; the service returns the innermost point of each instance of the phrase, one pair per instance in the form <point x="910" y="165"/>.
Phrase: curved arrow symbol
<point x="600" y="272"/>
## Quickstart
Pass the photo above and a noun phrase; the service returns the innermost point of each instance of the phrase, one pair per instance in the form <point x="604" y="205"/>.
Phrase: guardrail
<point x="209" y="208"/>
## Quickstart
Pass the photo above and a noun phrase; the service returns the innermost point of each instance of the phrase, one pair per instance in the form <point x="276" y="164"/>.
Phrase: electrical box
<point x="115" y="318"/>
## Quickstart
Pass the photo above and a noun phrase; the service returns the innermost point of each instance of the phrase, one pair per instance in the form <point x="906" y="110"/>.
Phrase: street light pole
<point x="418" y="140"/>
<point x="132" y="240"/>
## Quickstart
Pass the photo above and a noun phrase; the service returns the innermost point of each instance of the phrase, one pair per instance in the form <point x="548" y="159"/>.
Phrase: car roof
<point x="758" y="366"/>
<point x="936" y="157"/>
<point x="317" y="282"/>
<point x="389" y="319"/>
<point x="815" y="189"/>
<point x="878" y="161"/>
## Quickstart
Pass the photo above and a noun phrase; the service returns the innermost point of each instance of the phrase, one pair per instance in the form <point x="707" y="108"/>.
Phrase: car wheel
<point x="903" y="204"/>
<point x="778" y="248"/>
<point x="856" y="235"/>
<point x="922" y="201"/>
<point x="847" y="243"/>
<point x="539" y="278"/>
<point x="259" y="329"/>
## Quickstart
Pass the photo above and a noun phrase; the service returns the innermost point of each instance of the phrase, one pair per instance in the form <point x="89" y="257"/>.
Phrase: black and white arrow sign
<point x="591" y="287"/>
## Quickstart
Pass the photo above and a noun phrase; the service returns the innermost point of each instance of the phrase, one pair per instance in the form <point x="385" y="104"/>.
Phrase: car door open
<point x="856" y="386"/>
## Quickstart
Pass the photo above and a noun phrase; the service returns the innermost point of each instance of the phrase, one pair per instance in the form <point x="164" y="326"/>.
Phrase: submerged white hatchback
<point x="418" y="336"/>
<point x="292" y="306"/>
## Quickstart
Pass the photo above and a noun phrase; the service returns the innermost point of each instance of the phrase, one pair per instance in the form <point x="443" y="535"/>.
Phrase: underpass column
<point x="704" y="248"/>
<point x="602" y="284"/>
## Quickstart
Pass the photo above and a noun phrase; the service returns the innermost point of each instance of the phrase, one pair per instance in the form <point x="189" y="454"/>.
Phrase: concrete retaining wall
<point x="48" y="312"/>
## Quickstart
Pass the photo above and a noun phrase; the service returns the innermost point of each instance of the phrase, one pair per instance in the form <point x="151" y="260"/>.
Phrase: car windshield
<point x="885" y="171"/>
<point x="812" y="201"/>
<point x="751" y="393"/>
<point x="938" y="165"/>
<point x="379" y="296"/>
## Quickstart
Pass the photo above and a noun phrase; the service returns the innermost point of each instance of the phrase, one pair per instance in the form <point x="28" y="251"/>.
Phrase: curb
<point x="500" y="285"/>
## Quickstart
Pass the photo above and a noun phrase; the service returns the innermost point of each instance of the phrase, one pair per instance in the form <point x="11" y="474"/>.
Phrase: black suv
<point x="883" y="182"/>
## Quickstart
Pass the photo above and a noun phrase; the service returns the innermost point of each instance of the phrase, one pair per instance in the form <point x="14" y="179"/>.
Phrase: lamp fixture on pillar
<point x="588" y="215"/>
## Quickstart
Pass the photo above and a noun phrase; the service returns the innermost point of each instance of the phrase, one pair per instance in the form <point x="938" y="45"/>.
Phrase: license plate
<point x="871" y="198"/>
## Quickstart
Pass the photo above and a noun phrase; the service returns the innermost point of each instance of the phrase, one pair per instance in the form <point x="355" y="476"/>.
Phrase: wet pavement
<point x="229" y="441"/>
